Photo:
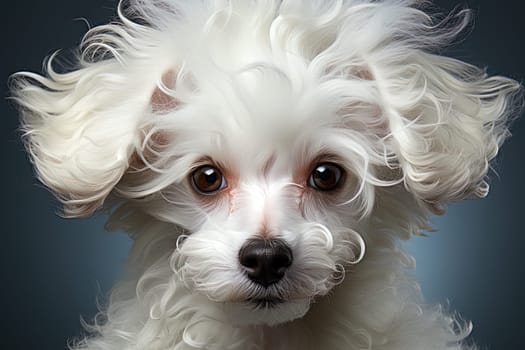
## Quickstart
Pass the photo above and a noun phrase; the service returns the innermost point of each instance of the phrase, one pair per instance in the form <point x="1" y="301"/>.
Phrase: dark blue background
<point x="53" y="268"/>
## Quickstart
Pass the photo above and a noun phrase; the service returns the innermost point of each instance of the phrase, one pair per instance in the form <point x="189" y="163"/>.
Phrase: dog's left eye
<point x="208" y="180"/>
<point x="326" y="177"/>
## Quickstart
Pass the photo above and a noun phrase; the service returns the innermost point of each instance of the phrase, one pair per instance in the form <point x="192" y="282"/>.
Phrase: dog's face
<point x="266" y="153"/>
<point x="267" y="183"/>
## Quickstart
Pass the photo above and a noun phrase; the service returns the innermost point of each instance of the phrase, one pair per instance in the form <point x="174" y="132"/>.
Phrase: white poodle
<point x="253" y="149"/>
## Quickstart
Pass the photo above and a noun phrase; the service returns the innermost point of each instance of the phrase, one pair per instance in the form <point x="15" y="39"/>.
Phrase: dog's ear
<point x="447" y="120"/>
<point x="81" y="128"/>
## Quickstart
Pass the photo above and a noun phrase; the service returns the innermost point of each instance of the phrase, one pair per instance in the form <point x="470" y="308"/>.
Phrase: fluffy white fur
<point x="265" y="90"/>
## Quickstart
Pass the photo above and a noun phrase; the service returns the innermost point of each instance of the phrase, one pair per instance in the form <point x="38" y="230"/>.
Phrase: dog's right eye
<point x="208" y="180"/>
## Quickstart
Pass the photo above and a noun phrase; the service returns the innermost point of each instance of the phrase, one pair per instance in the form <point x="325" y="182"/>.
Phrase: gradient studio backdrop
<point x="53" y="268"/>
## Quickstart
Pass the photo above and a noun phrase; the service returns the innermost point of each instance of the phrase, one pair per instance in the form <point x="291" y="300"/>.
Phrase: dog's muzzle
<point x="265" y="261"/>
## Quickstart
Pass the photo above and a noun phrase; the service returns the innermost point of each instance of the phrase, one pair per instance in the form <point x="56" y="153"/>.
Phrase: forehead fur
<point x="267" y="69"/>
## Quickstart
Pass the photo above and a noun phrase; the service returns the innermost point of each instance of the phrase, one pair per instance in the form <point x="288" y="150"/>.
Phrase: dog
<point x="253" y="149"/>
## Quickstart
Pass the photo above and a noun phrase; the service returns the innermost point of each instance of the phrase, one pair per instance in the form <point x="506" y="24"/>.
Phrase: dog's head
<point x="263" y="134"/>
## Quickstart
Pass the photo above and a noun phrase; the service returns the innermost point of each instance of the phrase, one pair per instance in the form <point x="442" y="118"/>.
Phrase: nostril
<point x="249" y="261"/>
<point x="265" y="261"/>
<point x="282" y="259"/>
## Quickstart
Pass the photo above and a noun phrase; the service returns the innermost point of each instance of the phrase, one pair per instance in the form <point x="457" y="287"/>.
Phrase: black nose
<point x="265" y="260"/>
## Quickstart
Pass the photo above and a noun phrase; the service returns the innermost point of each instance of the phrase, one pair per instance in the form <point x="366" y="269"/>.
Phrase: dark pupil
<point x="208" y="179"/>
<point x="210" y="176"/>
<point x="325" y="177"/>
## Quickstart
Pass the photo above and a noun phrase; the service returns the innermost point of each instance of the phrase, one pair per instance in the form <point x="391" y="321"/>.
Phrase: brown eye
<point x="326" y="177"/>
<point x="208" y="180"/>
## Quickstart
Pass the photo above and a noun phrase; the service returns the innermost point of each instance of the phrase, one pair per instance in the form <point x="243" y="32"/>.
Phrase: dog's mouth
<point x="265" y="303"/>
<point x="265" y="310"/>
